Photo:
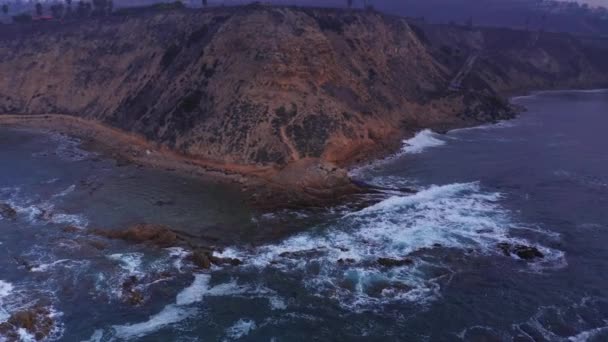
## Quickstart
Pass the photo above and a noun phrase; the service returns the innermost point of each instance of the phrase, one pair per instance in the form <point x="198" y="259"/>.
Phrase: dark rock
<point x="7" y="212"/>
<point x="528" y="253"/>
<point x="521" y="251"/>
<point x="161" y="203"/>
<point x="135" y="298"/>
<point x="70" y="229"/>
<point x="130" y="293"/>
<point x="156" y="235"/>
<point x="45" y="215"/>
<point x="381" y="289"/>
<point x="307" y="253"/>
<point x="97" y="244"/>
<point x="505" y="248"/>
<point x="346" y="261"/>
<point x="35" y="320"/>
<point x="26" y="264"/>
<point x="225" y="261"/>
<point x="201" y="258"/>
<point x="388" y="262"/>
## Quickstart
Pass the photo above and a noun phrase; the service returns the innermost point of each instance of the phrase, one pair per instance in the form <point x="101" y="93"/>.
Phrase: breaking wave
<point x="5" y="291"/>
<point x="347" y="254"/>
<point x="421" y="141"/>
<point x="37" y="211"/>
<point x="180" y="310"/>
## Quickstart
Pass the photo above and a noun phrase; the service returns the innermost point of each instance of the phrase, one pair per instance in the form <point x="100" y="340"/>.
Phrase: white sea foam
<point x="96" y="337"/>
<point x="277" y="303"/>
<point x="583" y="319"/>
<point x="588" y="335"/>
<point x="65" y="192"/>
<point x="70" y="219"/>
<point x="130" y="262"/>
<point x="421" y="141"/>
<point x="240" y="329"/>
<point x="46" y="212"/>
<point x="24" y="336"/>
<point x="5" y="290"/>
<point x="195" y="292"/>
<point x="171" y="314"/>
<point x="459" y="216"/>
<point x="178" y="254"/>
<point x="68" y="148"/>
<point x="180" y="310"/>
<point x="46" y="267"/>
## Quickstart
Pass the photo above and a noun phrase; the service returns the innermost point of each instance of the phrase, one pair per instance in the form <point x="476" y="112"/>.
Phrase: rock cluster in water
<point x="156" y="235"/>
<point x="36" y="321"/>
<point x="521" y="251"/>
<point x="163" y="237"/>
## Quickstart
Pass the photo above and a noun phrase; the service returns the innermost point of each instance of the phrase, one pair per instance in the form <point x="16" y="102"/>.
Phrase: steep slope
<point x="275" y="86"/>
<point x="244" y="86"/>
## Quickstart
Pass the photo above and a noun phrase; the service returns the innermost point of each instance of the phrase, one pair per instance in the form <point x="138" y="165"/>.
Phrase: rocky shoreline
<point x="316" y="92"/>
<point x="309" y="182"/>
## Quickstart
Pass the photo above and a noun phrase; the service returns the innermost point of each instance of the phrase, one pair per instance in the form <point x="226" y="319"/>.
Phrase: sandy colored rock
<point x="282" y="95"/>
<point x="157" y="235"/>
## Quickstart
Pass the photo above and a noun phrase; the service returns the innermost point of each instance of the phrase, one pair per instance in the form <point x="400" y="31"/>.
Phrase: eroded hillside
<point x="273" y="85"/>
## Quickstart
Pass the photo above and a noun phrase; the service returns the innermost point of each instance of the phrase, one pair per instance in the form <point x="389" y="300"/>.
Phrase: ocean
<point x="443" y="264"/>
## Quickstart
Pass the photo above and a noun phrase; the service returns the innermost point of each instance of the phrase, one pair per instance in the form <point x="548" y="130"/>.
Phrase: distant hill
<point x="549" y="15"/>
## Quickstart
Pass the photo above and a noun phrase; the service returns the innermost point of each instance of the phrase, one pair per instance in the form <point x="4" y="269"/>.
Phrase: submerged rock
<point x="70" y="229"/>
<point x="130" y="293"/>
<point x="388" y="262"/>
<point x="7" y="212"/>
<point x="390" y="289"/>
<point x="97" y="244"/>
<point x="37" y="321"/>
<point x="156" y="235"/>
<point x="225" y="261"/>
<point x="307" y="253"/>
<point x="346" y="261"/>
<point x="528" y="253"/>
<point x="204" y="259"/>
<point x="162" y="203"/>
<point x="521" y="251"/>
<point x="201" y="258"/>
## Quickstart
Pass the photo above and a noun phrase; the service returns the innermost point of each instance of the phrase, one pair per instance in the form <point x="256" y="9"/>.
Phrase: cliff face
<point x="272" y="85"/>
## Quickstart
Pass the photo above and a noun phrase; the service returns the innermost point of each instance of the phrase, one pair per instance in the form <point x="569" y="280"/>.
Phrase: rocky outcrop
<point x="528" y="253"/>
<point x="291" y="94"/>
<point x="36" y="321"/>
<point x="390" y="262"/>
<point x="155" y="235"/>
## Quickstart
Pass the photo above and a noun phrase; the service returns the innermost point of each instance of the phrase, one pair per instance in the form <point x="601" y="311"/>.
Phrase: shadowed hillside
<point x="269" y="86"/>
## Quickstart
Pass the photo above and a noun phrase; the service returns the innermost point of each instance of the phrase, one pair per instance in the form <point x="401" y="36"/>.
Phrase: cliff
<point x="278" y="87"/>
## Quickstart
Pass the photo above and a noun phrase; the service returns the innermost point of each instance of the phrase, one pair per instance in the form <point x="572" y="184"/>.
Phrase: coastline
<point x="445" y="129"/>
<point x="118" y="144"/>
<point x="305" y="183"/>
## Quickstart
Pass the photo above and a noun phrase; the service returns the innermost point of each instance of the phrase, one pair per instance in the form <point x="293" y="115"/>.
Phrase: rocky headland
<point x="280" y="99"/>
